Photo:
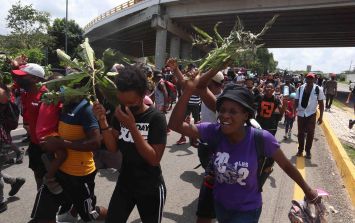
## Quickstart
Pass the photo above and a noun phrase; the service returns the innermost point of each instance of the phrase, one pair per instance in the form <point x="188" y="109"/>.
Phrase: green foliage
<point x="5" y="70"/>
<point x="28" y="27"/>
<point x="226" y="49"/>
<point x="341" y="77"/>
<point x="57" y="32"/>
<point x="34" y="55"/>
<point x="91" y="75"/>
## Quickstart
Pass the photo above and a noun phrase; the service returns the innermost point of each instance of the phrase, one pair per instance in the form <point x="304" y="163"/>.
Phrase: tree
<point x="261" y="62"/>
<point x="28" y="26"/>
<point x="57" y="33"/>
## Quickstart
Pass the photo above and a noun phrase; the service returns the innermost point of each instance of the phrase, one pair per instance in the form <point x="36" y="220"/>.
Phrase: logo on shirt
<point x="230" y="173"/>
<point x="267" y="109"/>
<point x="126" y="136"/>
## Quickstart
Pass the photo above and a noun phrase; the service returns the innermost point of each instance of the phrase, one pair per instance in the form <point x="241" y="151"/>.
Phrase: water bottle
<point x="286" y="91"/>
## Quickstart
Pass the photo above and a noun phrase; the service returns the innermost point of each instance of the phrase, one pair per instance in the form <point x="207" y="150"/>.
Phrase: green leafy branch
<point x="90" y="75"/>
<point x="230" y="47"/>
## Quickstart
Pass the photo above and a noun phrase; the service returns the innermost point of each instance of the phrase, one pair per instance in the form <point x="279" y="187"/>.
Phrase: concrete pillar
<point x="186" y="49"/>
<point x="160" y="48"/>
<point x="175" y="47"/>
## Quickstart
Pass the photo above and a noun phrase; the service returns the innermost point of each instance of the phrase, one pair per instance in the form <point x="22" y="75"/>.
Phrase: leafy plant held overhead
<point x="230" y="47"/>
<point x="89" y="76"/>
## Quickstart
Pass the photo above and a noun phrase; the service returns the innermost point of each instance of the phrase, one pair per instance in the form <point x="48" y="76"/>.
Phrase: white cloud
<point x="83" y="11"/>
<point x="325" y="59"/>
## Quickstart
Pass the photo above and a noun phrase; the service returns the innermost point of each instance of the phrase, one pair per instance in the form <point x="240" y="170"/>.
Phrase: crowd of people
<point x="222" y="112"/>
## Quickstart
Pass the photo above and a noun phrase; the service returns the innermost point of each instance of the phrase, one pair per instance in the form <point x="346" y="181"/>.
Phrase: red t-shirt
<point x="47" y="122"/>
<point x="30" y="104"/>
<point x="290" y="109"/>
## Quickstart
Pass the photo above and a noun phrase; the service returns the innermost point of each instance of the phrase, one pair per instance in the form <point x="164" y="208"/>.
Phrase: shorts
<point x="35" y="161"/>
<point x="205" y="206"/>
<point x="78" y="190"/>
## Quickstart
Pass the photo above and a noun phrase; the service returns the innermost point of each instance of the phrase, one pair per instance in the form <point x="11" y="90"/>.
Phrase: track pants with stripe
<point x="149" y="204"/>
<point x="78" y="190"/>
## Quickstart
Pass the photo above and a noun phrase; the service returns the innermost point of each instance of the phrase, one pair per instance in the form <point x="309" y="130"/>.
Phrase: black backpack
<point x="265" y="164"/>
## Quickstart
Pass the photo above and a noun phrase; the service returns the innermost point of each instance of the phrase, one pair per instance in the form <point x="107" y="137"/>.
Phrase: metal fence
<point x="111" y="12"/>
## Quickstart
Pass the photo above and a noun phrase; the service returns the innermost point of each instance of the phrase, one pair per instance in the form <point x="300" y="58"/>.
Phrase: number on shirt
<point x="267" y="108"/>
<point x="221" y="159"/>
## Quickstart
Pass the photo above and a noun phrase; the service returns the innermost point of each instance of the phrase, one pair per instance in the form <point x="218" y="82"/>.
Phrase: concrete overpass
<point x="163" y="27"/>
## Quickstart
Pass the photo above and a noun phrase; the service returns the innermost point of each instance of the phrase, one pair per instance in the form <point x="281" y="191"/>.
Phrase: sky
<point x="329" y="60"/>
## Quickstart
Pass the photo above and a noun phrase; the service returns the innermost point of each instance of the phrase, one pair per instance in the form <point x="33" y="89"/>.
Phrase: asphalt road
<point x="183" y="181"/>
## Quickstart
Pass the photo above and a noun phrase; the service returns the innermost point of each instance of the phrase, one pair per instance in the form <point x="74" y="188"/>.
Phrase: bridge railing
<point x="111" y="12"/>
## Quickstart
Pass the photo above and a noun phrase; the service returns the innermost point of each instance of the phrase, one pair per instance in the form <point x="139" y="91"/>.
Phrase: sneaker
<point x="52" y="185"/>
<point x="181" y="141"/>
<point x="299" y="154"/>
<point x="285" y="136"/>
<point x="308" y="156"/>
<point x="16" y="186"/>
<point x="3" y="207"/>
<point x="66" y="217"/>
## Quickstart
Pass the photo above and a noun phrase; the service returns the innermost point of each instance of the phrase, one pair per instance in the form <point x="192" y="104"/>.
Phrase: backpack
<point x="265" y="164"/>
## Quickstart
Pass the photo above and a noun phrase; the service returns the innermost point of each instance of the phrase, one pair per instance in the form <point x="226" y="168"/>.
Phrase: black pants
<point x="328" y="100"/>
<point x="78" y="190"/>
<point x="306" y="125"/>
<point x="288" y="124"/>
<point x="149" y="204"/>
<point x="195" y="111"/>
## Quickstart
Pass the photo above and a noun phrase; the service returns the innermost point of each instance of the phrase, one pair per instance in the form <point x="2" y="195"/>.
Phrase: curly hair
<point x="132" y="78"/>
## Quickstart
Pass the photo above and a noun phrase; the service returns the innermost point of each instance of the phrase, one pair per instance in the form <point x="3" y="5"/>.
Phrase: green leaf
<point x="66" y="60"/>
<point x="87" y="53"/>
<point x="218" y="36"/>
<point x="108" y="89"/>
<point x="202" y="33"/>
<point x="65" y="81"/>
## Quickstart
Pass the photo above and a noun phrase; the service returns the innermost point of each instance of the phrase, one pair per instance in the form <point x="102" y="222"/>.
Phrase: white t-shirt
<point x="208" y="115"/>
<point x="312" y="102"/>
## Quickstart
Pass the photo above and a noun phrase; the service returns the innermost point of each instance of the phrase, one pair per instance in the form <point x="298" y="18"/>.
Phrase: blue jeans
<point x="232" y="216"/>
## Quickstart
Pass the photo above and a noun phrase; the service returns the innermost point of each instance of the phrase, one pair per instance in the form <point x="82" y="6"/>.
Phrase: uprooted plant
<point x="89" y="76"/>
<point x="232" y="46"/>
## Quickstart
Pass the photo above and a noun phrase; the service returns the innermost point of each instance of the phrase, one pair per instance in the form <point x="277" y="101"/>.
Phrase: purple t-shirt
<point x="235" y="166"/>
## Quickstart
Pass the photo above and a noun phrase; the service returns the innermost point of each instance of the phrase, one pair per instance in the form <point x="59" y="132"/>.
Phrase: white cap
<point x="219" y="77"/>
<point x="31" y="69"/>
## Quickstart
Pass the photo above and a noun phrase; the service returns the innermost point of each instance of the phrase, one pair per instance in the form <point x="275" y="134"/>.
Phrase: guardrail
<point x="111" y="12"/>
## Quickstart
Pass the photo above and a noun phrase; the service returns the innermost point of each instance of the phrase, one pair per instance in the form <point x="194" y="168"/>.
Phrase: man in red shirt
<point x="27" y="77"/>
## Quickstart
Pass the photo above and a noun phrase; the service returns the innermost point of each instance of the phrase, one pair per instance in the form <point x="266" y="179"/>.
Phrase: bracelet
<point x="104" y="129"/>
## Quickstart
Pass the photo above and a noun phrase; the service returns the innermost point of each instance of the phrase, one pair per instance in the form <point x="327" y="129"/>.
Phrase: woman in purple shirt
<point x="236" y="193"/>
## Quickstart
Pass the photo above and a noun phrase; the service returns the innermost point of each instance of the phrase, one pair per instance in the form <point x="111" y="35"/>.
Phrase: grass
<point x="350" y="151"/>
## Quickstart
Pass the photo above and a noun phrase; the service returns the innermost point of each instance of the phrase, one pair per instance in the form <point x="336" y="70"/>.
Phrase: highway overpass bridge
<point x="163" y="27"/>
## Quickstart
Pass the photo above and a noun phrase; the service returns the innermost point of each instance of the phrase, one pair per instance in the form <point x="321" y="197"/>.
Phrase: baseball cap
<point x="238" y="94"/>
<point x="310" y="75"/>
<point x="218" y="78"/>
<point x="30" y="69"/>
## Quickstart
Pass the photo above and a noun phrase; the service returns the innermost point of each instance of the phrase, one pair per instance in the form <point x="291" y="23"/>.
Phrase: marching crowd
<point x="230" y="117"/>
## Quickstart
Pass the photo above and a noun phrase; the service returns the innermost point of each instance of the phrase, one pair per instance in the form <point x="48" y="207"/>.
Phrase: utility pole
<point x="66" y="26"/>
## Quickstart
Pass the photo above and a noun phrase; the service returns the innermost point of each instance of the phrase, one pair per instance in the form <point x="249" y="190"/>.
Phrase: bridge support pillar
<point x="186" y="50"/>
<point x="160" y="48"/>
<point x="175" y="47"/>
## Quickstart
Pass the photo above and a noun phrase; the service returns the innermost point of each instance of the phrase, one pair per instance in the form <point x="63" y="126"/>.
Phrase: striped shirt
<point x="194" y="100"/>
